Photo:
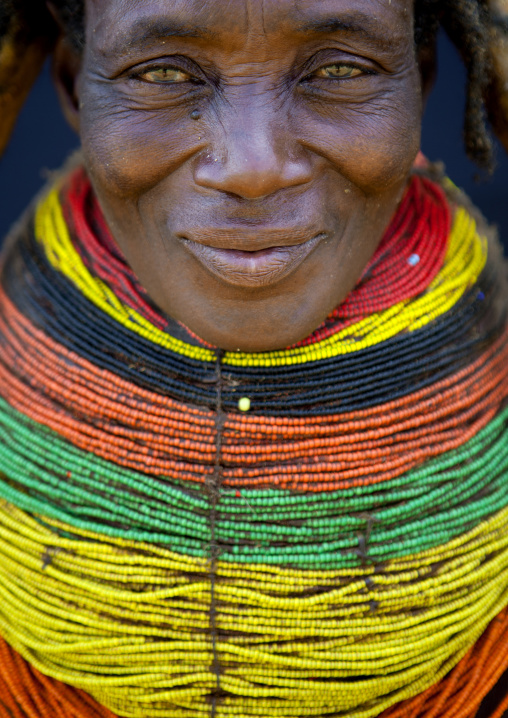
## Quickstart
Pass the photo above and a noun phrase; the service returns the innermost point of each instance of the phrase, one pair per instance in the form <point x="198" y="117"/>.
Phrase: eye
<point x="338" y="71"/>
<point x="164" y="75"/>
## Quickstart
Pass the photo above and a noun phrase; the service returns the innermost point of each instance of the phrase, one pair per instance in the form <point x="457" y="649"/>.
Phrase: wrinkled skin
<point x="248" y="154"/>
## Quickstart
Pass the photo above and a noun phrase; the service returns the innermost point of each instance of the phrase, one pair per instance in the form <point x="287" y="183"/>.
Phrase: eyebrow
<point x="359" y="24"/>
<point x="150" y="30"/>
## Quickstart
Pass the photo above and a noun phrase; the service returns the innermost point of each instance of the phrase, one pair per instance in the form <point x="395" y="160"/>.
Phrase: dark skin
<point x="249" y="154"/>
<point x="218" y="135"/>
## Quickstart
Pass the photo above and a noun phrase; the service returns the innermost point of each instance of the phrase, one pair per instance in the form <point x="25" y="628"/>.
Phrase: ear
<point x="66" y="71"/>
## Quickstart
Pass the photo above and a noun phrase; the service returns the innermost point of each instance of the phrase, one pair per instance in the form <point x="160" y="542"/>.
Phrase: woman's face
<point x="248" y="154"/>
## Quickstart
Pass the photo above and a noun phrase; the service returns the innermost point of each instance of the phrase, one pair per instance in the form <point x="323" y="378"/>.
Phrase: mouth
<point x="252" y="268"/>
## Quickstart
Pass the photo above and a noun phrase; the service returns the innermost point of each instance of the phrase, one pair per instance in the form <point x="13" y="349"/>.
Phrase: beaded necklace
<point x="412" y="252"/>
<point x="340" y="549"/>
<point x="464" y="261"/>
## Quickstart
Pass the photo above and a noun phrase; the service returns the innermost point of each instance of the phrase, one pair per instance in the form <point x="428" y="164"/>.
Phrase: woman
<point x="254" y="370"/>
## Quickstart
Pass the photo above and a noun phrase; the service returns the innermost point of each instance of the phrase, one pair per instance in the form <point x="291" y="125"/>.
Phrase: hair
<point x="468" y="24"/>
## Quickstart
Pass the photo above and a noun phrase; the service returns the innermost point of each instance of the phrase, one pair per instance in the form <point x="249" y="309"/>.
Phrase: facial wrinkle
<point x="255" y="12"/>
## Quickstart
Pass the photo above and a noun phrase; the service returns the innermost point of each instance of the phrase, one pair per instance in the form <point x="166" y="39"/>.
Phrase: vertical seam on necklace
<point x="214" y="486"/>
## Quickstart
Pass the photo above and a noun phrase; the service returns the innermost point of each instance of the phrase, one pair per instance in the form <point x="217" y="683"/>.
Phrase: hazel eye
<point x="338" y="71"/>
<point x="165" y="75"/>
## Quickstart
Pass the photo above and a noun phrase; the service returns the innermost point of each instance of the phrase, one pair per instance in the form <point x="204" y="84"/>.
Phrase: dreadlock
<point x="468" y="24"/>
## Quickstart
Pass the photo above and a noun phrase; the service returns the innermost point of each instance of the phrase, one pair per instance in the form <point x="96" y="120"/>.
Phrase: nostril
<point x="251" y="177"/>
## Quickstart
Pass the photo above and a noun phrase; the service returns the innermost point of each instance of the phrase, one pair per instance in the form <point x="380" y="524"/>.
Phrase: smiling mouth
<point x="251" y="269"/>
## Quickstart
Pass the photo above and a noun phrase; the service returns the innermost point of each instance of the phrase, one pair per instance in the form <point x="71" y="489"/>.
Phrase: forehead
<point x="112" y="22"/>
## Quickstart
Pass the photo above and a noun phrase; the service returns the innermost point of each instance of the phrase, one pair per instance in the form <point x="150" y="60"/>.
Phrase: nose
<point x="252" y="160"/>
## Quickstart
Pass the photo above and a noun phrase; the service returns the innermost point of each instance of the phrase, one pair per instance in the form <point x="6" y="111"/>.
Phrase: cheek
<point x="128" y="150"/>
<point x="371" y="144"/>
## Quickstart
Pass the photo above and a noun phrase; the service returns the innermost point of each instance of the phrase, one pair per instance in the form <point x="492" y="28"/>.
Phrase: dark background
<point x="42" y="140"/>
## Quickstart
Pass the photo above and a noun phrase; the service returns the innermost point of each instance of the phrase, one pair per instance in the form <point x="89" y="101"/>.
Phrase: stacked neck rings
<point x="316" y="531"/>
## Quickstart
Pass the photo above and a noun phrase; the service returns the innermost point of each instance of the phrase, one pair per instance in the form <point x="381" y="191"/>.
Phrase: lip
<point x="258" y="267"/>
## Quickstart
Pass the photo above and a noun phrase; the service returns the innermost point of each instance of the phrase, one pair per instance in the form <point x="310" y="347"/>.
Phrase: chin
<point x="253" y="335"/>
